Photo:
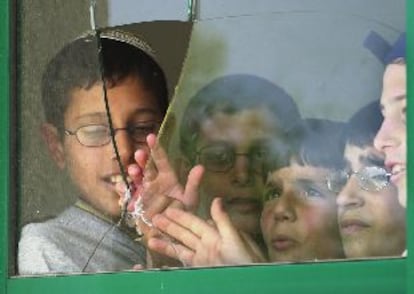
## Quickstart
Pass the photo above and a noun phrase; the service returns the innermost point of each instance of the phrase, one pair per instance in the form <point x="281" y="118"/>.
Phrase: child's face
<point x="299" y="220"/>
<point x="95" y="170"/>
<point x="245" y="135"/>
<point x="372" y="223"/>
<point x="391" y="138"/>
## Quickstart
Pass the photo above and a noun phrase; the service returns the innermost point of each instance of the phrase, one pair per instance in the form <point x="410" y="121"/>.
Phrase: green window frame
<point x="364" y="276"/>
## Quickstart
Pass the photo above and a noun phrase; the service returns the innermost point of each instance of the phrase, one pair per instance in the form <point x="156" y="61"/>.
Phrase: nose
<point x="350" y="195"/>
<point x="241" y="170"/>
<point x="125" y="146"/>
<point x="284" y="208"/>
<point x="384" y="137"/>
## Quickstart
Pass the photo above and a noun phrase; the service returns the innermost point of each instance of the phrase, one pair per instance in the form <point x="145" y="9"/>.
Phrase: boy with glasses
<point x="229" y="132"/>
<point x="78" y="134"/>
<point x="371" y="220"/>
<point x="230" y="127"/>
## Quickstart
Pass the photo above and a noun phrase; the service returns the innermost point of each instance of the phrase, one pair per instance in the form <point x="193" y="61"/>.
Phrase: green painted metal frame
<point x="4" y="140"/>
<point x="373" y="276"/>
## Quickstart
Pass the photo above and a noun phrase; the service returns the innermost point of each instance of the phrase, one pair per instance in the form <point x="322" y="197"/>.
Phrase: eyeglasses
<point x="96" y="135"/>
<point x="221" y="157"/>
<point x="370" y="178"/>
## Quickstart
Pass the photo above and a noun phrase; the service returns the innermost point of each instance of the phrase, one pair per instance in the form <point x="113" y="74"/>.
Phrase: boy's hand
<point x="157" y="187"/>
<point x="161" y="187"/>
<point x="203" y="243"/>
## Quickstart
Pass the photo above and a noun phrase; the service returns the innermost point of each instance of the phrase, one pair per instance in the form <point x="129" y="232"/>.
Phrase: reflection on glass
<point x="305" y="170"/>
<point x="299" y="220"/>
<point x="394" y="101"/>
<point x="368" y="209"/>
<point x="274" y="148"/>
<point x="248" y="116"/>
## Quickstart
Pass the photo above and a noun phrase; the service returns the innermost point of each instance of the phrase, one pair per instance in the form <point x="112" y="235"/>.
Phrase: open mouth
<point x="119" y="179"/>
<point x="115" y="179"/>
<point x="398" y="172"/>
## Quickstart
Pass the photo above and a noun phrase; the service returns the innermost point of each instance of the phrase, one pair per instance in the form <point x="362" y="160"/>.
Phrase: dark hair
<point x="319" y="143"/>
<point x="231" y="94"/>
<point x="76" y="66"/>
<point x="364" y="125"/>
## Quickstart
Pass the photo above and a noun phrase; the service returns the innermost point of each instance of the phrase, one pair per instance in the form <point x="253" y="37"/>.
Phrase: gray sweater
<point x="65" y="244"/>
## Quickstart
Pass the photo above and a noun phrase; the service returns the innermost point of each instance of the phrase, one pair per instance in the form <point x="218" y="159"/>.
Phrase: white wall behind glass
<point x="129" y="11"/>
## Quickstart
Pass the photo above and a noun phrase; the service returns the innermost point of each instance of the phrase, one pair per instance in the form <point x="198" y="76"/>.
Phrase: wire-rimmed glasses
<point x="370" y="178"/>
<point x="97" y="135"/>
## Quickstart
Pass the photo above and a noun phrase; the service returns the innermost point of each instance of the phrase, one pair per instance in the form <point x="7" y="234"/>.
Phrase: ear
<point x="52" y="140"/>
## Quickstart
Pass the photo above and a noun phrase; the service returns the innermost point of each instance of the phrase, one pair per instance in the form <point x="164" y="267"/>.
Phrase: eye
<point x="374" y="178"/>
<point x="140" y="131"/>
<point x="94" y="131"/>
<point x="312" y="192"/>
<point x="403" y="114"/>
<point x="272" y="193"/>
<point x="216" y="157"/>
<point x="336" y="180"/>
<point x="379" y="177"/>
<point x="259" y="153"/>
<point x="372" y="172"/>
<point x="144" y="128"/>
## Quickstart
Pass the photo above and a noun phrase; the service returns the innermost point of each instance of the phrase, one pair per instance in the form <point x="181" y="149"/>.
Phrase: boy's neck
<point x="85" y="206"/>
<point x="82" y="204"/>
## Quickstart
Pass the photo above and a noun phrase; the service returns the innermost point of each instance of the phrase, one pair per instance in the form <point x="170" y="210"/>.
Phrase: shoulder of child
<point x="37" y="254"/>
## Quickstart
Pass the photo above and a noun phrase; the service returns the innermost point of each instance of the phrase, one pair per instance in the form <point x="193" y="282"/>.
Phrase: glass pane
<point x="275" y="115"/>
<point x="282" y="108"/>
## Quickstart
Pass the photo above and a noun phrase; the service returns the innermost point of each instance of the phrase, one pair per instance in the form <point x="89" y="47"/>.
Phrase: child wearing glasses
<point x="299" y="217"/>
<point x="371" y="220"/>
<point x="229" y="127"/>
<point x="85" y="237"/>
<point x="227" y="133"/>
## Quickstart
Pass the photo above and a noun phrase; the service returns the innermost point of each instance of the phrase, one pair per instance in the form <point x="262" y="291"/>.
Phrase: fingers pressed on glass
<point x="222" y="220"/>
<point x="191" y="193"/>
<point x="170" y="249"/>
<point x="135" y="173"/>
<point x="196" y="225"/>
<point x="156" y="204"/>
<point x="176" y="231"/>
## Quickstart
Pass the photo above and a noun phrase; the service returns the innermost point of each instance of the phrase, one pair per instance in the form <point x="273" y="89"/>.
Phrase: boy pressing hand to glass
<point x="85" y="237"/>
